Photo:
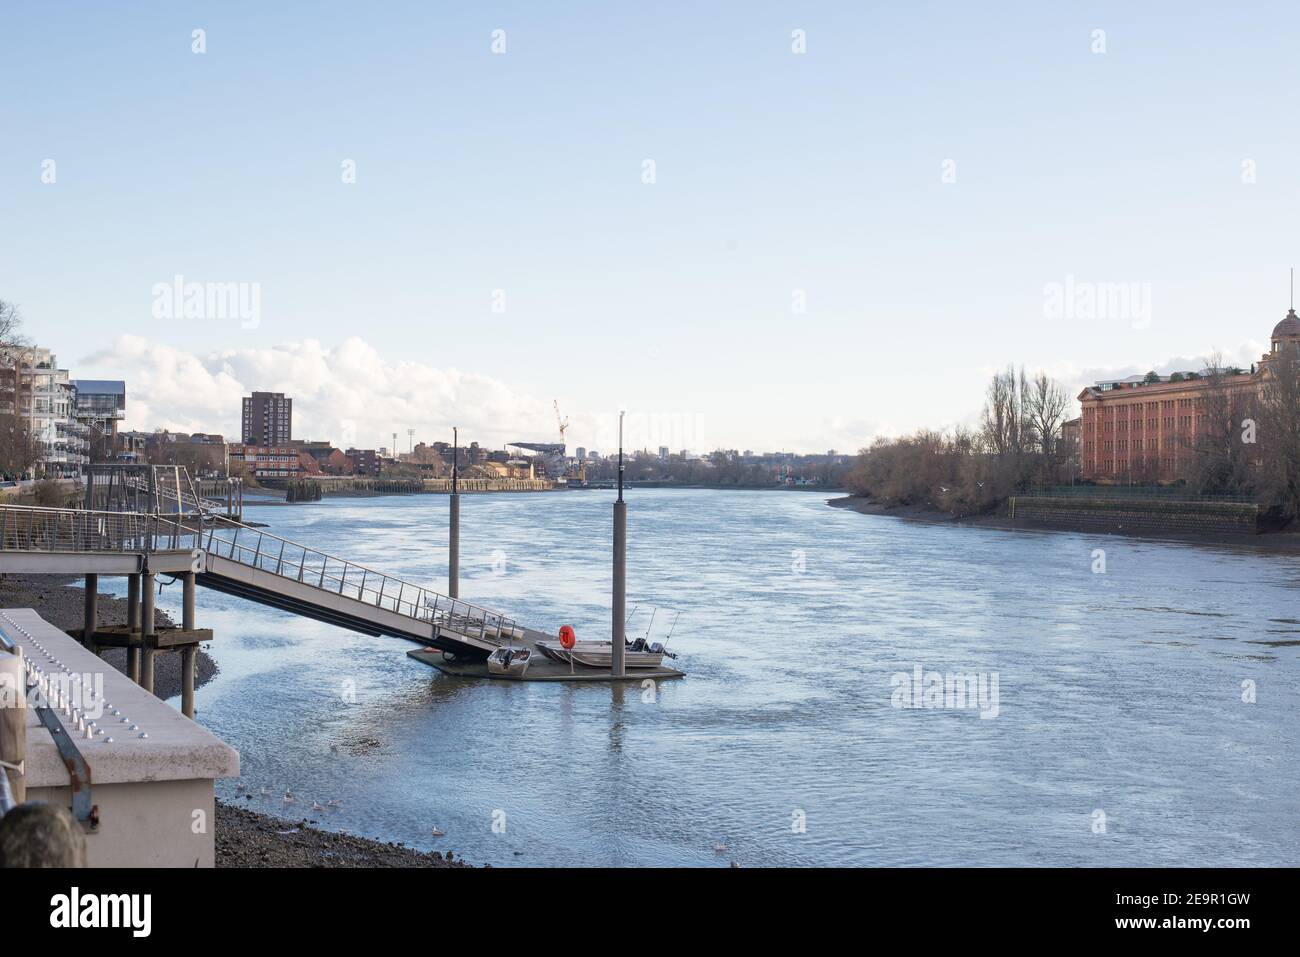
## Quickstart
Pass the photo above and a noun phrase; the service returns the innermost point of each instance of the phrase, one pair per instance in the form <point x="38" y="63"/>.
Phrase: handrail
<point x="320" y="569"/>
<point x="33" y="528"/>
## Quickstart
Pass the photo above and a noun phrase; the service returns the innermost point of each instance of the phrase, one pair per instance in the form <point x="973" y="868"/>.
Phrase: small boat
<point x="512" y="662"/>
<point x="596" y="654"/>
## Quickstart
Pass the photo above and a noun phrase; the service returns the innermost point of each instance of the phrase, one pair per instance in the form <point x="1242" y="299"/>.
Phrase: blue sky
<point x="522" y="172"/>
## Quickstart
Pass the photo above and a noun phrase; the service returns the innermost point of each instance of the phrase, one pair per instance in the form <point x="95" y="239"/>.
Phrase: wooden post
<point x="146" y="633"/>
<point x="189" y="658"/>
<point x="92" y="611"/>
<point x="132" y="627"/>
<point x="13" y="720"/>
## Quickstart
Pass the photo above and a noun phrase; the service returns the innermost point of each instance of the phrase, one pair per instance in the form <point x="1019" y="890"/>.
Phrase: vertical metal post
<point x="189" y="656"/>
<point x="132" y="626"/>
<point x="187" y="610"/>
<point x="617" y="666"/>
<point x="146" y="632"/>
<point x="92" y="611"/>
<point x="453" y="528"/>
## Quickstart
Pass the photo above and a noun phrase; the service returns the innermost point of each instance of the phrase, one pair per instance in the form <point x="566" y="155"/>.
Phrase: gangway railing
<point x="310" y="566"/>
<point x="29" y="528"/>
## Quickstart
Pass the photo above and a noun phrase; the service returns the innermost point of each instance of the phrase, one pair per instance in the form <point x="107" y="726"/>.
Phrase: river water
<point x="1118" y="735"/>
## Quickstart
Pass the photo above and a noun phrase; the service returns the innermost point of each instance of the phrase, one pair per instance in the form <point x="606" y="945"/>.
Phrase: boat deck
<point x="540" y="669"/>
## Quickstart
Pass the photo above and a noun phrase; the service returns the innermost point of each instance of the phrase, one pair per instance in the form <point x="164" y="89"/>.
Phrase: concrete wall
<point x="1133" y="515"/>
<point x="147" y="823"/>
<point x="151" y="768"/>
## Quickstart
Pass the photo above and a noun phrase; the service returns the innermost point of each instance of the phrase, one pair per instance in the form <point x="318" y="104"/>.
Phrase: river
<point x="1121" y="733"/>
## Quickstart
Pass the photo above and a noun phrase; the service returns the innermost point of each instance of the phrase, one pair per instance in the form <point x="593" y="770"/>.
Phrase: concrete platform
<point x="541" y="669"/>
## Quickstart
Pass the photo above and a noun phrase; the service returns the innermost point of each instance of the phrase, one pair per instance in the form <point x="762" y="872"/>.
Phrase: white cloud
<point x="1243" y="354"/>
<point x="349" y="393"/>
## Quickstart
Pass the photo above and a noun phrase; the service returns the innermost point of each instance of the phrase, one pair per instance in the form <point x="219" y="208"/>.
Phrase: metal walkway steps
<point x="252" y="564"/>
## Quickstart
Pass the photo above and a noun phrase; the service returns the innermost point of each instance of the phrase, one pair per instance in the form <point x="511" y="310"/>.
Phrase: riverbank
<point x="1287" y="541"/>
<point x="245" y="838"/>
<point x="61" y="600"/>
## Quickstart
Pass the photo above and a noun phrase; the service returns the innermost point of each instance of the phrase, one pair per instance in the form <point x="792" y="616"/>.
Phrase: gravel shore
<point x="60" y="600"/>
<point x="248" y="839"/>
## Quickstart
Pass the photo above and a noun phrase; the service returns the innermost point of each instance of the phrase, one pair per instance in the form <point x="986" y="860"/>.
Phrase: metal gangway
<point x="165" y="489"/>
<point x="250" y="563"/>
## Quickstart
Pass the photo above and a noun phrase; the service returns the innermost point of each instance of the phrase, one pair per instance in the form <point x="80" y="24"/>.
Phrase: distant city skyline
<point x="756" y="227"/>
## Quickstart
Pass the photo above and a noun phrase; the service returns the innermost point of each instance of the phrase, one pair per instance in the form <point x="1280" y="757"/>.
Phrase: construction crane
<point x="563" y="423"/>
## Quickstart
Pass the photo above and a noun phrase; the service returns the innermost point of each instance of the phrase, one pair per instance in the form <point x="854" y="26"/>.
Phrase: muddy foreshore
<point x="1286" y="541"/>
<point x="60" y="600"/>
<point x="248" y="839"/>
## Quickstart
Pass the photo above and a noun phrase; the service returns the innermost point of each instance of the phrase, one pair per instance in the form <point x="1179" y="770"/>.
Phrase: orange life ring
<point x="567" y="638"/>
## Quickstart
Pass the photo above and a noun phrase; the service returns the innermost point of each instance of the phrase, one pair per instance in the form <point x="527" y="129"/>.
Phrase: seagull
<point x="266" y="792"/>
<point x="335" y="802"/>
<point x="437" y="832"/>
<point x="240" y="787"/>
<point x="288" y="796"/>
<point x="317" y="806"/>
<point x="719" y="848"/>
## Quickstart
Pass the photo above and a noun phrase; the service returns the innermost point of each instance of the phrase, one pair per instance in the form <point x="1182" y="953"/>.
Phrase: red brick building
<point x="1145" y="428"/>
<point x="268" y="462"/>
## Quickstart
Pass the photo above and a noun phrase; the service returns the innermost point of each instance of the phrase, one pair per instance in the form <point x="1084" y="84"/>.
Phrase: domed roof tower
<point x="1286" y="334"/>
<point x="1288" y="330"/>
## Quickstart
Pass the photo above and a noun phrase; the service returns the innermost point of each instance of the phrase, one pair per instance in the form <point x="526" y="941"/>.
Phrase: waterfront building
<point x="100" y="406"/>
<point x="272" y="462"/>
<point x="1145" y="428"/>
<point x="267" y="419"/>
<point x="47" y="401"/>
<point x="363" y="461"/>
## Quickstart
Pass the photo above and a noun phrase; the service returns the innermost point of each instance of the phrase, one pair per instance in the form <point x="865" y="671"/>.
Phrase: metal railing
<point x="311" y="566"/>
<point x="29" y="528"/>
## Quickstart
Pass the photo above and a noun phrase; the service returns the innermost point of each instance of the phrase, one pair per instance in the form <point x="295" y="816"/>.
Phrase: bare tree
<point x="1278" y="434"/>
<point x="1005" y="427"/>
<point x="11" y="327"/>
<point x="1045" y="408"/>
<point x="1222" y="461"/>
<point x="17" y="448"/>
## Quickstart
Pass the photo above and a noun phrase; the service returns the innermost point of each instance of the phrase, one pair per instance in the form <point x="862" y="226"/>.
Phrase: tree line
<point x="967" y="471"/>
<point x="1246" y="442"/>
